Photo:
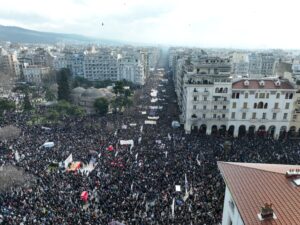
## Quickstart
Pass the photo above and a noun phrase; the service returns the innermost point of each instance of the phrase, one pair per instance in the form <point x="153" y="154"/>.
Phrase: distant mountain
<point x="21" y="35"/>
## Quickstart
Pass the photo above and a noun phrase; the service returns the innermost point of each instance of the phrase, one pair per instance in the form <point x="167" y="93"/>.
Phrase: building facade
<point x="35" y="74"/>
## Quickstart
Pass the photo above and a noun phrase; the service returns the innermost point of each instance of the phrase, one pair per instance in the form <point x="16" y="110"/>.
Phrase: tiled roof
<point x="268" y="84"/>
<point x="252" y="185"/>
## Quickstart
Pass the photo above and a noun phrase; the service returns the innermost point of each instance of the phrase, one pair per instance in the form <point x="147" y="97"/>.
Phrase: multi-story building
<point x="259" y="194"/>
<point x="35" y="74"/>
<point x="263" y="105"/>
<point x="100" y="65"/>
<point x="9" y="64"/>
<point x="261" y="64"/>
<point x="205" y="95"/>
<point x="130" y="68"/>
<point x="240" y="64"/>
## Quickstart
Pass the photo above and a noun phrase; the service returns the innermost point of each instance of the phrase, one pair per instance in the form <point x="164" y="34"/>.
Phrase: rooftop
<point x="268" y="84"/>
<point x="253" y="184"/>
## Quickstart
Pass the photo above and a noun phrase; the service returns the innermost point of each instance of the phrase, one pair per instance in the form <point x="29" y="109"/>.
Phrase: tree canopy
<point x="63" y="78"/>
<point x="101" y="106"/>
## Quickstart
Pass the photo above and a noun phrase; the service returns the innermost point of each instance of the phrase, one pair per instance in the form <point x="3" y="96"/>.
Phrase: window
<point x="265" y="105"/>
<point x="287" y="105"/>
<point x="237" y="95"/>
<point x="285" y="116"/>
<point x="264" y="116"/>
<point x="286" y="95"/>
<point x="255" y="105"/>
<point x="244" y="116"/>
<point x="217" y="90"/>
<point x="246" y="95"/>
<point x="205" y="98"/>
<point x="195" y="98"/>
<point x="294" y="117"/>
<point x="194" y="107"/>
<point x="204" y="107"/>
<point x="256" y="95"/>
<point x="253" y="115"/>
<point x="215" y="116"/>
<point x="223" y="116"/>
<point x="215" y="107"/>
<point x="274" y="116"/>
<point x="267" y="95"/>
<point x="278" y="95"/>
<point x="261" y="95"/>
<point x="260" y="105"/>
<point x="245" y="105"/>
<point x="291" y="96"/>
<point x="233" y="115"/>
<point x="224" y="106"/>
<point x="234" y="105"/>
<point x="203" y="116"/>
<point x="276" y="105"/>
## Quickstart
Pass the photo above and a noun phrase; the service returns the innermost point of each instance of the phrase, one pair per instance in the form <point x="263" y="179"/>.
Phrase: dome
<point x="78" y="90"/>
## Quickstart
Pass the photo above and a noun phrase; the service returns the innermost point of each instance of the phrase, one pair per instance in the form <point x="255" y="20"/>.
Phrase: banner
<point x="68" y="160"/>
<point x="48" y="144"/>
<point x="153" y="117"/>
<point x="151" y="122"/>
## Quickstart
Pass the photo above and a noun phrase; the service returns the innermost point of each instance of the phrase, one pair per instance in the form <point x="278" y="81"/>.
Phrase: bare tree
<point x="9" y="132"/>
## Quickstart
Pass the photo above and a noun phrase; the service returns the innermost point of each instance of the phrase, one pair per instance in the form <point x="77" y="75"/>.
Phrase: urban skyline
<point x="230" y="24"/>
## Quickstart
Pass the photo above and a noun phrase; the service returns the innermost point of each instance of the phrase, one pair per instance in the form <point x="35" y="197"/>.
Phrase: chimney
<point x="266" y="212"/>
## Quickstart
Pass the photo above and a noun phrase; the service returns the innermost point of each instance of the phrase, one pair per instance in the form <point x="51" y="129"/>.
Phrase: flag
<point x="136" y="156"/>
<point x="173" y="208"/>
<point x="68" y="160"/>
<point x="169" y="136"/>
<point x="17" y="156"/>
<point x="186" y="183"/>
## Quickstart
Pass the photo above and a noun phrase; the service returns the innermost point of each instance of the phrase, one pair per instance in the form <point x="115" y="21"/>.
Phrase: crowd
<point x="128" y="185"/>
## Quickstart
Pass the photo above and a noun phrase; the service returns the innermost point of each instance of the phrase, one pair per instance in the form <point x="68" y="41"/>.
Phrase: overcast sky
<point x="209" y="23"/>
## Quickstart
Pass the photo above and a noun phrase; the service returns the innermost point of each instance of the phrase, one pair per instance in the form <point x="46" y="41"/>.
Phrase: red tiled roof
<point x="269" y="84"/>
<point x="252" y="185"/>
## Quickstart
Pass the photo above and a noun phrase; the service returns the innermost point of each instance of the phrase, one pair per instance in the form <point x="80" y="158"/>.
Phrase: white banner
<point x="68" y="160"/>
<point x="151" y="122"/>
<point x="153" y="117"/>
<point x="48" y="144"/>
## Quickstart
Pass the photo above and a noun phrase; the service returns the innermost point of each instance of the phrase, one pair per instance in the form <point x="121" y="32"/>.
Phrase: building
<point x="100" y="65"/>
<point x="259" y="194"/>
<point x="35" y="74"/>
<point x="131" y="69"/>
<point x="261" y="105"/>
<point x="240" y="64"/>
<point x="261" y="64"/>
<point x="86" y="97"/>
<point x="9" y="64"/>
<point x="205" y="94"/>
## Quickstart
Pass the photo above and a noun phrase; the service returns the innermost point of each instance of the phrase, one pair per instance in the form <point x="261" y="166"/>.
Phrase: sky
<point x="209" y="23"/>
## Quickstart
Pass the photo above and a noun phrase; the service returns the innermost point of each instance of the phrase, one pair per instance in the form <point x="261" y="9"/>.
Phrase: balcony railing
<point x="220" y="110"/>
<point x="275" y="110"/>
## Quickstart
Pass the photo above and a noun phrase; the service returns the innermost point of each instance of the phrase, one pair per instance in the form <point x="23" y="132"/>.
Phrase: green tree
<point x="26" y="104"/>
<point x="119" y="87"/>
<point x="6" y="105"/>
<point x="49" y="95"/>
<point x="101" y="106"/>
<point x="63" y="78"/>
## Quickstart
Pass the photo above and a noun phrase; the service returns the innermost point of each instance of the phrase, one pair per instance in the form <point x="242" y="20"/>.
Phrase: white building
<point x="131" y="68"/>
<point x="35" y="74"/>
<point x="100" y="65"/>
<point x="263" y="105"/>
<point x="240" y="63"/>
<point x="204" y="95"/>
<point x="259" y="194"/>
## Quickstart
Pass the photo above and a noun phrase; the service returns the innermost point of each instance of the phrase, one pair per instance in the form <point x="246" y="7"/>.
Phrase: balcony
<point x="275" y="110"/>
<point x="220" y="102"/>
<point x="205" y="93"/>
<point x="204" y="102"/>
<point x="220" y="110"/>
<point x="244" y="109"/>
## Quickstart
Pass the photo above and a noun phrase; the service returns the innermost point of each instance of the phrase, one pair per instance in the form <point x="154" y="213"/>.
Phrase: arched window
<point x="225" y="90"/>
<point x="291" y="96"/>
<point x="266" y="106"/>
<point x="255" y="105"/>
<point x="195" y="90"/>
<point x="221" y="90"/>
<point x="287" y="96"/>
<point x="217" y="90"/>
<point x="260" y="105"/>
<point x="194" y="116"/>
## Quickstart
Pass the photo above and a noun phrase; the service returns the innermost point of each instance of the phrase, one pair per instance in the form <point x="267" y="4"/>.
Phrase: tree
<point x="27" y="105"/>
<point x="101" y="106"/>
<point x="119" y="87"/>
<point x="49" y="95"/>
<point x="63" y="84"/>
<point x="6" y="105"/>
